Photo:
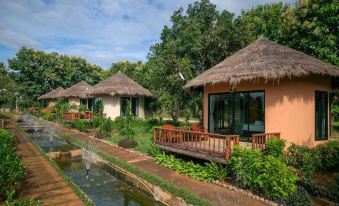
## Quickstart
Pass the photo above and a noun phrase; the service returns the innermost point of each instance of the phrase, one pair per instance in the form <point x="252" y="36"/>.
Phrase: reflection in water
<point x="102" y="187"/>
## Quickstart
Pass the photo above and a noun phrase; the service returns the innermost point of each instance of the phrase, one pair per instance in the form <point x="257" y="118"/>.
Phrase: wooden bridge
<point x="204" y="145"/>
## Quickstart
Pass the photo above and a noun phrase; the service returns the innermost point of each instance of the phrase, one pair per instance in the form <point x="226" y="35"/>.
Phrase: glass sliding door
<point x="239" y="113"/>
<point x="221" y="113"/>
<point x="134" y="105"/>
<point x="321" y="115"/>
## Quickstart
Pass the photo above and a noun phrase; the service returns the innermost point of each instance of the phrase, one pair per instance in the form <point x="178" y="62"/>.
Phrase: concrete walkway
<point x="42" y="181"/>
<point x="216" y="194"/>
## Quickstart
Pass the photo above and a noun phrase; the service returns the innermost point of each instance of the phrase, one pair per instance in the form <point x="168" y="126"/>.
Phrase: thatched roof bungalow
<point x="76" y="95"/>
<point x="116" y="91"/>
<point x="51" y="96"/>
<point x="267" y="87"/>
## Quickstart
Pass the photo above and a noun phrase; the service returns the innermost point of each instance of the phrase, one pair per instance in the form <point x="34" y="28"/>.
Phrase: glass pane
<point x="240" y="115"/>
<point x="83" y="102"/>
<point x="256" y="113"/>
<point x="90" y="104"/>
<point x="321" y="109"/>
<point x="135" y="106"/>
<point x="221" y="113"/>
<point x="123" y="104"/>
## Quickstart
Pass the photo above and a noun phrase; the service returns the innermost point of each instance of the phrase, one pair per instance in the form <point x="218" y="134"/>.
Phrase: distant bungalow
<point x="50" y="98"/>
<point x="116" y="91"/>
<point x="268" y="88"/>
<point x="76" y="95"/>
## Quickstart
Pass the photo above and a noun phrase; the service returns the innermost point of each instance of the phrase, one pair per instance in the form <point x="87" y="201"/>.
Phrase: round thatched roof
<point x="263" y="59"/>
<point x="119" y="84"/>
<point x="54" y="94"/>
<point x="77" y="90"/>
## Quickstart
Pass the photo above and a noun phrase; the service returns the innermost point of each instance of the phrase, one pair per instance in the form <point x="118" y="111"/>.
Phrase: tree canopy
<point x="38" y="72"/>
<point x="197" y="39"/>
<point x="7" y="88"/>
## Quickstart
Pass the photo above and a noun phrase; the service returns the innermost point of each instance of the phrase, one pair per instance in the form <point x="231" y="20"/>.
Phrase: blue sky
<point x="102" y="31"/>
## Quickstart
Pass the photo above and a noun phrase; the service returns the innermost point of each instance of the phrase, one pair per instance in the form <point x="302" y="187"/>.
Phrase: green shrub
<point x="299" y="198"/>
<point x="329" y="154"/>
<point x="81" y="125"/>
<point x="267" y="175"/>
<point x="208" y="172"/>
<point x="48" y="116"/>
<point x="305" y="160"/>
<point x="335" y="186"/>
<point x="10" y="201"/>
<point x="12" y="171"/>
<point x="275" y="147"/>
<point x="96" y="121"/>
<point x="108" y="124"/>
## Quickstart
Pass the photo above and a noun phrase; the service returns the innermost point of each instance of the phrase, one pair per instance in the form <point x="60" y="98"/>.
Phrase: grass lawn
<point x="144" y="133"/>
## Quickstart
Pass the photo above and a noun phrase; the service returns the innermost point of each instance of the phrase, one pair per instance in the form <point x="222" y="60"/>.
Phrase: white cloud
<point x="103" y="31"/>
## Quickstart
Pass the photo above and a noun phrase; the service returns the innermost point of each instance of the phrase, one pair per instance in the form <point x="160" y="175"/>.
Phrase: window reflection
<point x="237" y="113"/>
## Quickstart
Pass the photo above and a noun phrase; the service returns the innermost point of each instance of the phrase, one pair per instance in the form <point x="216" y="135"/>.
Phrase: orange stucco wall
<point x="289" y="105"/>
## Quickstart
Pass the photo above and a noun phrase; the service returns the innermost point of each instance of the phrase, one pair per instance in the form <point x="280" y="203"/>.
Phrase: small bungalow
<point x="50" y="98"/>
<point x="76" y="95"/>
<point x="268" y="88"/>
<point x="116" y="91"/>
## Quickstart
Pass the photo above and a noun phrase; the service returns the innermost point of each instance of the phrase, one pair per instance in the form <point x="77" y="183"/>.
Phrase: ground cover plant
<point x="12" y="171"/>
<point x="208" y="172"/>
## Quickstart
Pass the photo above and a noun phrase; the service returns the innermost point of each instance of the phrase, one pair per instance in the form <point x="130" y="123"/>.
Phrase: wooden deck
<point x="203" y="145"/>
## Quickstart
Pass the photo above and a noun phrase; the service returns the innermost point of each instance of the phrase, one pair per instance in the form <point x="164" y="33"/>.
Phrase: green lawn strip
<point x="144" y="139"/>
<point x="185" y="194"/>
<point x="74" y="187"/>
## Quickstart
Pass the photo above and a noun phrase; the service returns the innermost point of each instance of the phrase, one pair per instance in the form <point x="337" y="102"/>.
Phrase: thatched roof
<point x="263" y="59"/>
<point x="119" y="84"/>
<point x="54" y="94"/>
<point x="77" y="90"/>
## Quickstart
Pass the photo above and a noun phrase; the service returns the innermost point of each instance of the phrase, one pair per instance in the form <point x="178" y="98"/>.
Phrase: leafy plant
<point x="275" y="147"/>
<point x="12" y="171"/>
<point x="10" y="201"/>
<point x="305" y="160"/>
<point x="268" y="175"/>
<point x="125" y="124"/>
<point x="207" y="172"/>
<point x="107" y="124"/>
<point x="48" y="116"/>
<point x="299" y="198"/>
<point x="82" y="108"/>
<point x="96" y="121"/>
<point x="329" y="153"/>
<point x="81" y="125"/>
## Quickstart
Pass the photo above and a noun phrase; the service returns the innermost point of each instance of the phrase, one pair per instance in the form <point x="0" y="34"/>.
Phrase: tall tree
<point x="7" y="88"/>
<point x="263" y="19"/>
<point x="196" y="41"/>
<point x="38" y="72"/>
<point x="131" y="69"/>
<point x="313" y="27"/>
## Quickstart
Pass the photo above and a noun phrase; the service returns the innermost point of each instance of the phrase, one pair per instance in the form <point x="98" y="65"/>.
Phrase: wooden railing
<point x="70" y="116"/>
<point x="201" y="142"/>
<point x="259" y="140"/>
